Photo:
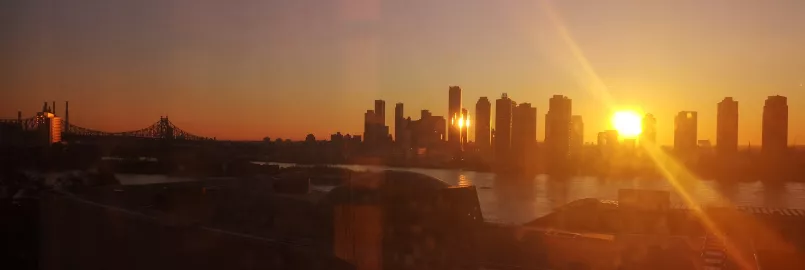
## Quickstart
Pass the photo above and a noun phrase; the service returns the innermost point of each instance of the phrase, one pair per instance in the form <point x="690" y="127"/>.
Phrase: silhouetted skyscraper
<point x="524" y="135"/>
<point x="380" y="111"/>
<point x="649" y="133"/>
<point x="428" y="131"/>
<point x="727" y="127"/>
<point x="608" y="137"/>
<point x="375" y="130"/>
<point x="685" y="132"/>
<point x="454" y="114"/>
<point x="608" y="143"/>
<point x="775" y="125"/>
<point x="576" y="134"/>
<point x="483" y="118"/>
<point x="337" y="137"/>
<point x="557" y="131"/>
<point x="503" y="128"/>
<point x="399" y="122"/>
<point x="369" y="122"/>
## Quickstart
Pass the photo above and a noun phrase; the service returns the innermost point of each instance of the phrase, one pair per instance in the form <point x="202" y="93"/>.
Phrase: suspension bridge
<point x="162" y="129"/>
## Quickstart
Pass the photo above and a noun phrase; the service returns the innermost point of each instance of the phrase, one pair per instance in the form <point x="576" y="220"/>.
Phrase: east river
<point x="507" y="199"/>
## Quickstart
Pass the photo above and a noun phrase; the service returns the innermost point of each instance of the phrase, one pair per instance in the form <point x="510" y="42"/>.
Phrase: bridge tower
<point x="165" y="128"/>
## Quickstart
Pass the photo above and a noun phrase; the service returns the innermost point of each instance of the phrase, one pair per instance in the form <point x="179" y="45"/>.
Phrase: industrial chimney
<point x="66" y="114"/>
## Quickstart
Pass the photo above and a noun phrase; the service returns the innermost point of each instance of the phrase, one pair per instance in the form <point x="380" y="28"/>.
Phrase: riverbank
<point x="520" y="198"/>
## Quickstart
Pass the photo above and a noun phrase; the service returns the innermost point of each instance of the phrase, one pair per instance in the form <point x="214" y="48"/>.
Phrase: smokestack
<point x="66" y="114"/>
<point x="45" y="107"/>
<point x="19" y="116"/>
<point x="53" y="108"/>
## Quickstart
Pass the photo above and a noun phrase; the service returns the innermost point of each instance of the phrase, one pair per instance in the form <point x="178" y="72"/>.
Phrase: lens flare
<point x="672" y="170"/>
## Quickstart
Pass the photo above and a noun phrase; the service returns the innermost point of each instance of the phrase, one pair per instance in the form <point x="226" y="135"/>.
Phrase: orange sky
<point x="288" y="68"/>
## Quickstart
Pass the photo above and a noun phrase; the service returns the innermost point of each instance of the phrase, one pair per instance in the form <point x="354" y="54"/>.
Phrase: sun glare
<point x="627" y="123"/>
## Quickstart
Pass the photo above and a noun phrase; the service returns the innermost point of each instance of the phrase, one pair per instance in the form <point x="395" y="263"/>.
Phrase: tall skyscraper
<point x="399" y="123"/>
<point x="375" y="130"/>
<point x="727" y="127"/>
<point x="380" y="111"/>
<point x="524" y="135"/>
<point x="454" y="114"/>
<point x="685" y="132"/>
<point x="369" y="123"/>
<point x="649" y="134"/>
<point x="775" y="125"/>
<point x="557" y="131"/>
<point x="482" y="122"/>
<point x="576" y="135"/>
<point x="503" y="128"/>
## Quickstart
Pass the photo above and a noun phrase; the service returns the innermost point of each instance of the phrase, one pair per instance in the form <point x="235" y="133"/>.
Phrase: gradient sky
<point x="247" y="69"/>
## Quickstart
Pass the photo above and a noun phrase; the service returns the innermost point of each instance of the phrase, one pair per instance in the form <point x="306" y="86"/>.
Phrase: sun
<point x="627" y="123"/>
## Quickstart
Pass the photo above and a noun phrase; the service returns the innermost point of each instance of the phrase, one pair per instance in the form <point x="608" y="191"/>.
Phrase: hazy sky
<point x="248" y="69"/>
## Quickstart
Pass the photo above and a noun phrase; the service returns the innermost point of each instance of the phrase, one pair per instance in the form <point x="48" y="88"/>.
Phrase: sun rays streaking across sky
<point x="628" y="125"/>
<point x="585" y="72"/>
<point x="217" y="61"/>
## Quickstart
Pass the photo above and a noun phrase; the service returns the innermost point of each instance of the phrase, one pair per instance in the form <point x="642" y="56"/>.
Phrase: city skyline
<point x="775" y="109"/>
<point x="342" y="56"/>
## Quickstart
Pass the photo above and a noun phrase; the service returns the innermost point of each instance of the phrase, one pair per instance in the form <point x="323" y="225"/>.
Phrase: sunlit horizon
<point x="215" y="67"/>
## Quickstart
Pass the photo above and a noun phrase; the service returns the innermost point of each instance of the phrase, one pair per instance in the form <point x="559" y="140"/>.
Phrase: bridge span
<point x="47" y="122"/>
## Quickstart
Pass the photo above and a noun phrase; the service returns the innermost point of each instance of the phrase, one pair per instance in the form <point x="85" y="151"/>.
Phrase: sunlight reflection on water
<point x="510" y="199"/>
<point x="521" y="199"/>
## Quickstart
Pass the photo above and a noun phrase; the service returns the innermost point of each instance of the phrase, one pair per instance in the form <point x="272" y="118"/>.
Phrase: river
<point x="505" y="199"/>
